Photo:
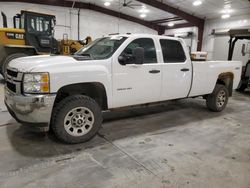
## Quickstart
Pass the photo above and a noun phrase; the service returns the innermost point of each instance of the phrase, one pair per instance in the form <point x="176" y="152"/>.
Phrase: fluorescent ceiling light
<point x="226" y="11"/>
<point x="143" y="10"/>
<point x="225" y="16"/>
<point x="107" y="4"/>
<point x="171" y="24"/>
<point x="197" y="3"/>
<point x="143" y="15"/>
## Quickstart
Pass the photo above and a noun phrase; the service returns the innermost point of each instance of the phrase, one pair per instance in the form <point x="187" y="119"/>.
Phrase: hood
<point x="41" y="62"/>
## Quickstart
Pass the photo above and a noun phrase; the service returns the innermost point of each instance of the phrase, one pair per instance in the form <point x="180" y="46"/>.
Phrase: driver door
<point x="137" y="83"/>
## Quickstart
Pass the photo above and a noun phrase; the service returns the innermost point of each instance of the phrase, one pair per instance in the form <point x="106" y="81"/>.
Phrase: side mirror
<point x="122" y="60"/>
<point x="138" y="54"/>
<point x="137" y="57"/>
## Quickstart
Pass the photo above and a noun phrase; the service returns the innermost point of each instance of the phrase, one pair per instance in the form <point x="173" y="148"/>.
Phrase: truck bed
<point x="205" y="74"/>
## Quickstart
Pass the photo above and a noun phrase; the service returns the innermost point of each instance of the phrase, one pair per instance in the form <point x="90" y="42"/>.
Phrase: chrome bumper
<point x="30" y="109"/>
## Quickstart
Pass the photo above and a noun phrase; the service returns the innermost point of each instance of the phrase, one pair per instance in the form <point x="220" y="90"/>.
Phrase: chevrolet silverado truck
<point x="68" y="94"/>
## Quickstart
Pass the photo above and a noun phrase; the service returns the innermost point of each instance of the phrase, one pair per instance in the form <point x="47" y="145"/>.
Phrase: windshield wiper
<point x="83" y="56"/>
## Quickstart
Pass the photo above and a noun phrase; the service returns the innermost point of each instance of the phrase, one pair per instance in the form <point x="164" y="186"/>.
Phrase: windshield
<point x="39" y="24"/>
<point x="102" y="48"/>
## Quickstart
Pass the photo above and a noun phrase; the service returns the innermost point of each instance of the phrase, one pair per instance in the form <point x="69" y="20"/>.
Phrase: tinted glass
<point x="172" y="51"/>
<point x="38" y="24"/>
<point x="149" y="49"/>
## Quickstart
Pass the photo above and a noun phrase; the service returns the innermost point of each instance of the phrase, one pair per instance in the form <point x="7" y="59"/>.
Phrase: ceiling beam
<point x="93" y="7"/>
<point x="162" y="6"/>
<point x="177" y="26"/>
<point x="166" y="20"/>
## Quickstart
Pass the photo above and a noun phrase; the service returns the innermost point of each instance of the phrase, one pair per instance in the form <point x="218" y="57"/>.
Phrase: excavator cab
<point x="39" y="30"/>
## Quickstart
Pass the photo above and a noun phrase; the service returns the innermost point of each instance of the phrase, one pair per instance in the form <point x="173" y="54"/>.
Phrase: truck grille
<point x="13" y="80"/>
<point x="11" y="86"/>
<point x="12" y="73"/>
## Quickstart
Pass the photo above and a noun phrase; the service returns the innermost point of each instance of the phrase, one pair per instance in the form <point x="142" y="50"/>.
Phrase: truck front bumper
<point x="33" y="110"/>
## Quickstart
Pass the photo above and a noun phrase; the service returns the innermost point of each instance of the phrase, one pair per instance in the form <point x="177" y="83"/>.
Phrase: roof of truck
<point x="143" y="35"/>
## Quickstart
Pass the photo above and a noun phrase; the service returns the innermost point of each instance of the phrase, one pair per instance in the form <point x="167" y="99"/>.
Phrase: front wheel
<point x="217" y="101"/>
<point x="76" y="119"/>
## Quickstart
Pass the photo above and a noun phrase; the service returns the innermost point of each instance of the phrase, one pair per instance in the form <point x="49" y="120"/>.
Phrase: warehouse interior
<point x="174" y="143"/>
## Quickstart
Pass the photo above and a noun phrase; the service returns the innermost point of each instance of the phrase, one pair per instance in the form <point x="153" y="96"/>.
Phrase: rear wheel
<point x="76" y="119"/>
<point x="217" y="100"/>
<point x="8" y="59"/>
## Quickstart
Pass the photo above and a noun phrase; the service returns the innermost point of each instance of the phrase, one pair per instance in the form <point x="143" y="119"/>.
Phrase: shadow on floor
<point x="117" y="125"/>
<point x="246" y="93"/>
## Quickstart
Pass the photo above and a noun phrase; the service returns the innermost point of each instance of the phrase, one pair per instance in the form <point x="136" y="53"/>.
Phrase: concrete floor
<point x="177" y="144"/>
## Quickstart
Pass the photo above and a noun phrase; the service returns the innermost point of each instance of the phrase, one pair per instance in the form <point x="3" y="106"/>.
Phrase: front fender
<point x="87" y="74"/>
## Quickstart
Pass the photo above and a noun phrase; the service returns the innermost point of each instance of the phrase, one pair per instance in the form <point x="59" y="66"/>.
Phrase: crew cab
<point x="69" y="93"/>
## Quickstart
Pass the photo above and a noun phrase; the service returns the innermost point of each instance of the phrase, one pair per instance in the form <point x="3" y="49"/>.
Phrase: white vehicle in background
<point x="68" y="94"/>
<point x="237" y="35"/>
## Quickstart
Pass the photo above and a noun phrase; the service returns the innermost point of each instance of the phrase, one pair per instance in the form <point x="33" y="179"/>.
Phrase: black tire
<point x="216" y="104"/>
<point x="63" y="109"/>
<point x="8" y="59"/>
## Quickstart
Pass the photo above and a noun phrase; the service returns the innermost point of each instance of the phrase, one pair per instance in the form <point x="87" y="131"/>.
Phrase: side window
<point x="149" y="49"/>
<point x="39" y="24"/>
<point x="172" y="51"/>
<point x="32" y="25"/>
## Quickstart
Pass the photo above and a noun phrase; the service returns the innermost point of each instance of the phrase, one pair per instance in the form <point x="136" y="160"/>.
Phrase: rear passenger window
<point x="149" y="49"/>
<point x="172" y="51"/>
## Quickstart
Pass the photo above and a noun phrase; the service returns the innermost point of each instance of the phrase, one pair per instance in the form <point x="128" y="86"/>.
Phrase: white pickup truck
<point x="68" y="94"/>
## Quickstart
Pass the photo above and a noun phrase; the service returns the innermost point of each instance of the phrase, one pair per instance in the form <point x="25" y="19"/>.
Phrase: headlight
<point x="36" y="83"/>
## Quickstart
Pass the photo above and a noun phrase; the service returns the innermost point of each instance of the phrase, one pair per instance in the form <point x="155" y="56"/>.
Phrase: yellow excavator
<point x="33" y="34"/>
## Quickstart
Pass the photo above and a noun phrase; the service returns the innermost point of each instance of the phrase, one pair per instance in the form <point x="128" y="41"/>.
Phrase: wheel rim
<point x="79" y="121"/>
<point x="221" y="98"/>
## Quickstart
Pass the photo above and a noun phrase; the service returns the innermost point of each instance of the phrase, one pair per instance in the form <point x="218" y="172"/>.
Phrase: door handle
<point x="184" y="69"/>
<point x="154" y="71"/>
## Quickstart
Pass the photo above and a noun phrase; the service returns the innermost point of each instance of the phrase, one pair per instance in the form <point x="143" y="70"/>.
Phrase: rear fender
<point x="227" y="80"/>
